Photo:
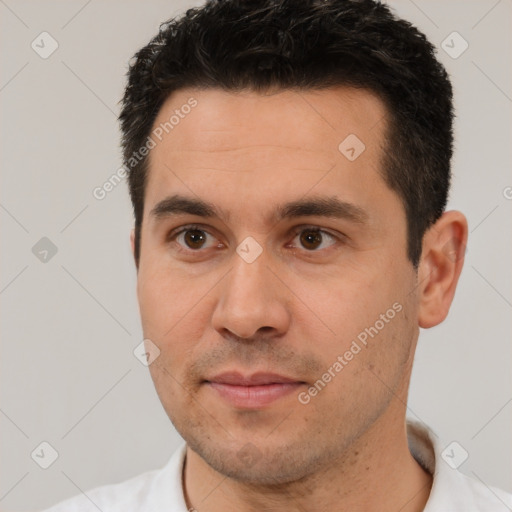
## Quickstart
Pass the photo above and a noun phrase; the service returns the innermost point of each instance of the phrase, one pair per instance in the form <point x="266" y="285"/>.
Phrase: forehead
<point x="327" y="115"/>
<point x="258" y="147"/>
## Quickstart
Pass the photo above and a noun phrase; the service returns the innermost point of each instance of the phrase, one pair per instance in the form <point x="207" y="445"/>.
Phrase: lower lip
<point x="254" y="396"/>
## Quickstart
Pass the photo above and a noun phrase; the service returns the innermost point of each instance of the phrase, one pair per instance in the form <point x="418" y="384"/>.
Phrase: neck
<point x="378" y="473"/>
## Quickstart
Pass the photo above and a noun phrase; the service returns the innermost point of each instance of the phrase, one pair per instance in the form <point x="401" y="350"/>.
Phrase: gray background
<point x="70" y="324"/>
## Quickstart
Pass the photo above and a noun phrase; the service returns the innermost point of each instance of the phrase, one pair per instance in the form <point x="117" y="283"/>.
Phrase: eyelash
<point x="191" y="227"/>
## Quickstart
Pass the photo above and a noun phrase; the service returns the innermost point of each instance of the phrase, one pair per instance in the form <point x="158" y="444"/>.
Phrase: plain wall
<point x="69" y="325"/>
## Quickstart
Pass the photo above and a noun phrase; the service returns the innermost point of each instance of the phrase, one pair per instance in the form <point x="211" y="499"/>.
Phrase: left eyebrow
<point x="319" y="206"/>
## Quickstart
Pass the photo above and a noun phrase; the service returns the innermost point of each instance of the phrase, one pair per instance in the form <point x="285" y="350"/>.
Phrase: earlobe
<point x="444" y="247"/>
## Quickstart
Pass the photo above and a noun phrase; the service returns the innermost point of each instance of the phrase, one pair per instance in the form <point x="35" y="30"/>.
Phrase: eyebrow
<point x="321" y="206"/>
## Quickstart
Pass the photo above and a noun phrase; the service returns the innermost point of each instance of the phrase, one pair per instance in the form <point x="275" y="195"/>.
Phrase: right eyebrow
<point x="176" y="205"/>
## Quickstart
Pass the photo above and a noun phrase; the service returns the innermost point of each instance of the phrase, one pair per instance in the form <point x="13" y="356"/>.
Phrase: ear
<point x="132" y="243"/>
<point x="442" y="258"/>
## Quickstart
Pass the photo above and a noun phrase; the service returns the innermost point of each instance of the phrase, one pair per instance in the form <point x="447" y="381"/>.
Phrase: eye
<point x="192" y="238"/>
<point x="312" y="238"/>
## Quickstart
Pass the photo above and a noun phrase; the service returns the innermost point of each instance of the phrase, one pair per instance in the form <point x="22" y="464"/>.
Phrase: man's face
<point x="219" y="314"/>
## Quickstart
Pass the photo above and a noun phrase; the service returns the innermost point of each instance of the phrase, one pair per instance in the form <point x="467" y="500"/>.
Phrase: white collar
<point x="451" y="490"/>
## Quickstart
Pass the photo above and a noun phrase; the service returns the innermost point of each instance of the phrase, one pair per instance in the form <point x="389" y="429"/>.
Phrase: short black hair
<point x="263" y="45"/>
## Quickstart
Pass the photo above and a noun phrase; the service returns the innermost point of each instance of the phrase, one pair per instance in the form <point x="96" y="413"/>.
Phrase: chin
<point x="258" y="464"/>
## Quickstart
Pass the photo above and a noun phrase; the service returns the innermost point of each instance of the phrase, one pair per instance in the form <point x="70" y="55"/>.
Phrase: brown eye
<point x="194" y="238"/>
<point x="313" y="238"/>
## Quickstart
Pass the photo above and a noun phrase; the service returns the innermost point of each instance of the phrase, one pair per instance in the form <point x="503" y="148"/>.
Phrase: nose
<point x="251" y="298"/>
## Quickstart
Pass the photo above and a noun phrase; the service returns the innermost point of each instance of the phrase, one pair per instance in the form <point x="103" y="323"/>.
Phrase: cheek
<point x="348" y="303"/>
<point x="165" y="296"/>
<point x="373" y="331"/>
<point x="175" y="314"/>
<point x="368" y="369"/>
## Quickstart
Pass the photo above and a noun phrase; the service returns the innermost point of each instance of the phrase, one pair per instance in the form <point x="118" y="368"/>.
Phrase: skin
<point x="294" y="309"/>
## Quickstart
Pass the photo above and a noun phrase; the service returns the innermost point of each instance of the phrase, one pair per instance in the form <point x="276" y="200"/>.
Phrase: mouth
<point x="252" y="391"/>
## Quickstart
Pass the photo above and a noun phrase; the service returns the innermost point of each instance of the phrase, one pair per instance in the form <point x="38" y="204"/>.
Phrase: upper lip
<point x="256" y="379"/>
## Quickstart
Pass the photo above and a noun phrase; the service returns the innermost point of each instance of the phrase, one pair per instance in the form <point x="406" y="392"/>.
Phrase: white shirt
<point x="161" y="490"/>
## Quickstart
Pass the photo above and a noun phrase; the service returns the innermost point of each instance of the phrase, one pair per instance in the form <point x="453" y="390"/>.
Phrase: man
<point x="289" y="165"/>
